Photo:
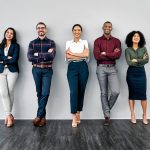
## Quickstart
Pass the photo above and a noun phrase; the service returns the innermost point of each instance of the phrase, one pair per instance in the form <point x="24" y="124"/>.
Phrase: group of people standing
<point x="107" y="49"/>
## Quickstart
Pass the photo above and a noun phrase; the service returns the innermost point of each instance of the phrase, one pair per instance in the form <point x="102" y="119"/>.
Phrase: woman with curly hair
<point x="136" y="57"/>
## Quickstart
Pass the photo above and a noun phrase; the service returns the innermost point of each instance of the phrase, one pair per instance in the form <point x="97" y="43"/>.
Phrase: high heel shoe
<point x="145" y="121"/>
<point x="74" y="122"/>
<point x="10" y="121"/>
<point x="78" y="118"/>
<point x="133" y="119"/>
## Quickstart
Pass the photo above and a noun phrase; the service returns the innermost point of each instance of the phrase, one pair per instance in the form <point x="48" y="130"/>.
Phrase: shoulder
<point x="17" y="45"/>
<point x="128" y="49"/>
<point x="68" y="42"/>
<point x="144" y="48"/>
<point x="98" y="39"/>
<point x="85" y="41"/>
<point x="116" y="39"/>
<point x="50" y="40"/>
<point x="33" y="41"/>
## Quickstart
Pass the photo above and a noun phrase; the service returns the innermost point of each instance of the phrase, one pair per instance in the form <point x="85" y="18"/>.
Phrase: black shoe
<point x="107" y="121"/>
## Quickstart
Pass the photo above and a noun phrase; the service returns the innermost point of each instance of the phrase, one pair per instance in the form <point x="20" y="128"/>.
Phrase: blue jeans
<point x="77" y="75"/>
<point x="42" y="78"/>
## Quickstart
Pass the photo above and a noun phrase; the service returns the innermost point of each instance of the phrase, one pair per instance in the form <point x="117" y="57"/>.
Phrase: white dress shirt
<point x="77" y="47"/>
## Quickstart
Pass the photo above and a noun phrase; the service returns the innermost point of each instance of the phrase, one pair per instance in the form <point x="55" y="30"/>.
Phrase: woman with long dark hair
<point x="9" y="55"/>
<point x="136" y="57"/>
<point x="77" y="55"/>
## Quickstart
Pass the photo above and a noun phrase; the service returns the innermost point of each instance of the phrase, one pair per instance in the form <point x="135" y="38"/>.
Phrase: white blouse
<point x="77" y="47"/>
<point x="6" y="51"/>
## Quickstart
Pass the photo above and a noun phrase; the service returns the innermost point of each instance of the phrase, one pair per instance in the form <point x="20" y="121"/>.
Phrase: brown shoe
<point x="37" y="121"/>
<point x="107" y="121"/>
<point x="42" y="122"/>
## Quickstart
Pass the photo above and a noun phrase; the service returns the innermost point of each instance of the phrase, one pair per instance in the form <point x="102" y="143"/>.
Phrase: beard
<point x="41" y="33"/>
<point x="107" y="33"/>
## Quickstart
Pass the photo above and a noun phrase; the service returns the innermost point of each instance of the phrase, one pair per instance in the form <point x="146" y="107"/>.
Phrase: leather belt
<point x="42" y="66"/>
<point x="107" y="65"/>
<point x="77" y="60"/>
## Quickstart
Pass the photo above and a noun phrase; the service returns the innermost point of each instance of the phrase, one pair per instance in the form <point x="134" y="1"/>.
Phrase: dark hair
<point x="77" y="25"/>
<point x="129" y="37"/>
<point x="40" y="23"/>
<point x="107" y="22"/>
<point x="14" y="40"/>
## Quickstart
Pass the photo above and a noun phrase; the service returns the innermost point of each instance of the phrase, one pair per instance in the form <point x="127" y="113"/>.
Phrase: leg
<point x="131" y="104"/>
<point x="72" y="76"/>
<point x="103" y="82"/>
<point x="37" y="75"/>
<point x="5" y="93"/>
<point x="114" y="86"/>
<point x="82" y="81"/>
<point x="11" y="78"/>
<point x="46" y="84"/>
<point x="144" y="107"/>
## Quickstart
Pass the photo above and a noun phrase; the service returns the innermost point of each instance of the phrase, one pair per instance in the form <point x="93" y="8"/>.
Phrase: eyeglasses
<point x="38" y="28"/>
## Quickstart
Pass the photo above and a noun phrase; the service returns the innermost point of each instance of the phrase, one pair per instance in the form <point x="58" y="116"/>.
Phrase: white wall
<point x="60" y="16"/>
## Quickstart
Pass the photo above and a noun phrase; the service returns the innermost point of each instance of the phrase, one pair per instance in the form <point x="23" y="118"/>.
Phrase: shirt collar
<point x="42" y="39"/>
<point x="72" y="41"/>
<point x="104" y="37"/>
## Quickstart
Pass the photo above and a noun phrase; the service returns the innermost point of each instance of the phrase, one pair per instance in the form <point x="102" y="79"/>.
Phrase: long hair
<point x="14" y="40"/>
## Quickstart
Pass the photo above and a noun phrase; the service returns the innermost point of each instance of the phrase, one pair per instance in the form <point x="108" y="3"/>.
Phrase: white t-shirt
<point x="77" y="47"/>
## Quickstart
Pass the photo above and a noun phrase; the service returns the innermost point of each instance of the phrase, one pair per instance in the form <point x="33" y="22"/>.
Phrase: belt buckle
<point x="42" y="66"/>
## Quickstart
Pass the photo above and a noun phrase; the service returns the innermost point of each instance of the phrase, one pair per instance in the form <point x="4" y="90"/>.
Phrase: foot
<point x="107" y="121"/>
<point x="74" y="121"/>
<point x="145" y="121"/>
<point x="133" y="119"/>
<point x="42" y="122"/>
<point x="37" y="121"/>
<point x="6" y="120"/>
<point x="10" y="121"/>
<point x="78" y="118"/>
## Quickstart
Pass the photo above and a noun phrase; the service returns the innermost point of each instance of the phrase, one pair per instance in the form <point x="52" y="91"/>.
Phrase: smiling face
<point x="41" y="30"/>
<point x="136" y="38"/>
<point x="77" y="32"/>
<point x="107" y="28"/>
<point x="9" y="34"/>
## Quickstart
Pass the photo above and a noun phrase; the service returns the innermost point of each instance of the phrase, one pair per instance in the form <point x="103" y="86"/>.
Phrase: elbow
<point x="87" y="55"/>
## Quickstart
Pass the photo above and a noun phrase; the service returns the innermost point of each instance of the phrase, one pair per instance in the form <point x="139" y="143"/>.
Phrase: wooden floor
<point x="90" y="135"/>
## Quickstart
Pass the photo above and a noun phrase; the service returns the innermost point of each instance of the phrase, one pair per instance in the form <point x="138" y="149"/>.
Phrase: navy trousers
<point x="77" y="75"/>
<point x="42" y="78"/>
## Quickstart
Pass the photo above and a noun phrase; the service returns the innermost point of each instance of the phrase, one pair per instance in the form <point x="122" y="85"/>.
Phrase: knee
<point x="104" y="94"/>
<point x="74" y="93"/>
<point x="115" y="93"/>
<point x="4" y="95"/>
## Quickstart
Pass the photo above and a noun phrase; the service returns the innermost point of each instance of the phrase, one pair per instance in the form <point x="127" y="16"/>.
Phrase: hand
<point x="50" y="50"/>
<point x="117" y="50"/>
<point x="35" y="54"/>
<point x="145" y="56"/>
<point x="134" y="60"/>
<point x="9" y="57"/>
<point x="103" y="53"/>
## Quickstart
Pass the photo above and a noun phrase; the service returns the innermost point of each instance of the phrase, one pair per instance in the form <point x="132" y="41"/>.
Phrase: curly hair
<point x="129" y="37"/>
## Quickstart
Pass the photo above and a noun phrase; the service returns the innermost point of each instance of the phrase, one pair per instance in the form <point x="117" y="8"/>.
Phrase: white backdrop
<point x="60" y="16"/>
